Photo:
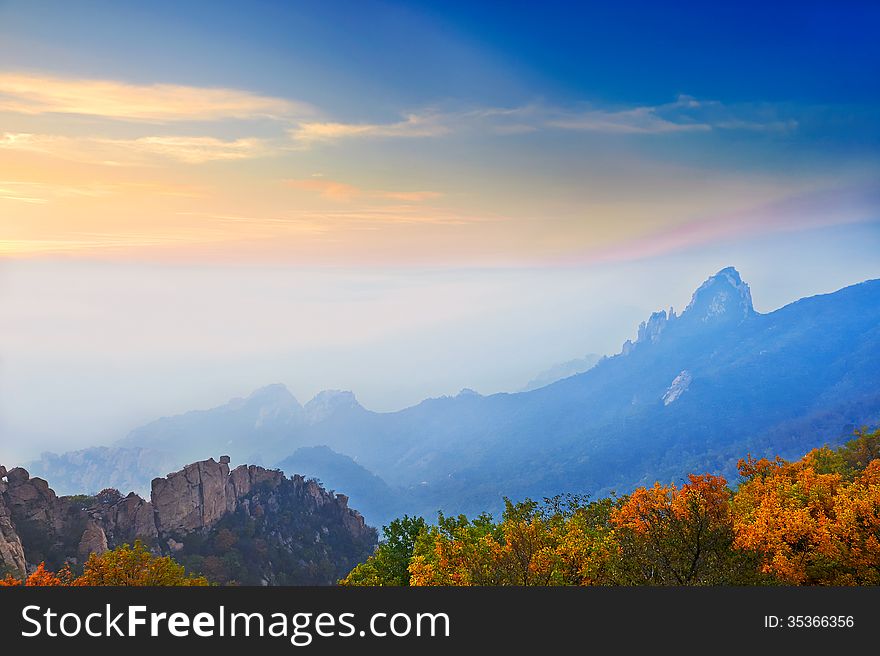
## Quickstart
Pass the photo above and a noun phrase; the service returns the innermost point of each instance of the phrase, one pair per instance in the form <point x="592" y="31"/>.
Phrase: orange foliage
<point x="813" y="521"/>
<point x="123" y="566"/>
<point x="9" y="581"/>
<point x="530" y="546"/>
<point x="811" y="527"/>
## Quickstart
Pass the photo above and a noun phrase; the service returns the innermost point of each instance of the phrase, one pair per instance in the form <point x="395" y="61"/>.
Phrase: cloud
<point x="326" y="188"/>
<point x="35" y="191"/>
<point x="15" y="195"/>
<point x="641" y="120"/>
<point x="409" y="196"/>
<point x="341" y="191"/>
<point x="101" y="150"/>
<point x="413" y="125"/>
<point x="45" y="94"/>
<point x="814" y="209"/>
<point x="194" y="150"/>
<point x="166" y="103"/>
<point x="685" y="114"/>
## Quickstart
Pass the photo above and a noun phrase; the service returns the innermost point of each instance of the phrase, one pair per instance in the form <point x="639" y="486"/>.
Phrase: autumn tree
<point x="457" y="551"/>
<point x="813" y="521"/>
<point x="135" y="566"/>
<point x="123" y="566"/>
<point x="816" y="520"/>
<point x="679" y="536"/>
<point x="564" y="541"/>
<point x="41" y="577"/>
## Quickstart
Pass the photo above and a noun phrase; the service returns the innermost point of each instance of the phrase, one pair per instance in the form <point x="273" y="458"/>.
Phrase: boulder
<point x="12" y="559"/>
<point x="17" y="475"/>
<point x="130" y="519"/>
<point x="93" y="541"/>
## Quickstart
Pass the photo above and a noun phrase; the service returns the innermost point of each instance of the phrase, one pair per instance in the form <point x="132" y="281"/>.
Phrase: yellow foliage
<point x="123" y="566"/>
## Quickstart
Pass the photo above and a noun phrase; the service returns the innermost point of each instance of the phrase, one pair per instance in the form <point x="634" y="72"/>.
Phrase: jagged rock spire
<point x="722" y="296"/>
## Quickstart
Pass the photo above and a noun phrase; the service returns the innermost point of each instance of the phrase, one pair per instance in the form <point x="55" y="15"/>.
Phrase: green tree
<point x="390" y="564"/>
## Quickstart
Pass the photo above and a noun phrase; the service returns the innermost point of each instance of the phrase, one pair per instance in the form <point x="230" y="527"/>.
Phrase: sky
<point x="403" y="199"/>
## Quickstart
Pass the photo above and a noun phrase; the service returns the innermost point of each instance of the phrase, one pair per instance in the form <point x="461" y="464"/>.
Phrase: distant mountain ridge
<point x="562" y="370"/>
<point x="691" y="393"/>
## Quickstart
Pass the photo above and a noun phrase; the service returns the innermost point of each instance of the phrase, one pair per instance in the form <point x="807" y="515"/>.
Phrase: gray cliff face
<point x="59" y="529"/>
<point x="11" y="550"/>
<point x="36" y="525"/>
<point x="202" y="493"/>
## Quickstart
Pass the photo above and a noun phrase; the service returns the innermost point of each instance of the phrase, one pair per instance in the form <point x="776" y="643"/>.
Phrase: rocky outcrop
<point x="197" y="497"/>
<point x="723" y="297"/>
<point x="32" y="500"/>
<point x="129" y="519"/>
<point x="12" y="558"/>
<point x="93" y="541"/>
<point x="678" y="387"/>
<point x="722" y="300"/>
<point x="87" y="471"/>
<point x="649" y="331"/>
<point x="193" y="500"/>
<point x="58" y="529"/>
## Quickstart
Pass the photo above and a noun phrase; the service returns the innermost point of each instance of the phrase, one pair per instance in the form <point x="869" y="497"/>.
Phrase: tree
<point x="135" y="566"/>
<point x="816" y="520"/>
<point x="40" y="577"/>
<point x="390" y="564"/>
<point x="813" y="521"/>
<point x="679" y="536"/>
<point x="123" y="566"/>
<point x="564" y="541"/>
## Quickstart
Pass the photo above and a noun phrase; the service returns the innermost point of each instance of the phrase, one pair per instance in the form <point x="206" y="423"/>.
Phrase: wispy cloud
<point x="815" y="209"/>
<point x="43" y="94"/>
<point x="685" y="114"/>
<point x="341" y="191"/>
<point x="305" y="126"/>
<point x="16" y="196"/>
<point x="44" y="192"/>
<point x="194" y="150"/>
<point x="412" y="125"/>
<point x="640" y="120"/>
<point x="425" y="123"/>
<point x="409" y="196"/>
<point x="330" y="189"/>
<point x="101" y="150"/>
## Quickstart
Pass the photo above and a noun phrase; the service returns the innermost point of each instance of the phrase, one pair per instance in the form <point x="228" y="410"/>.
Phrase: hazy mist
<point x="91" y="350"/>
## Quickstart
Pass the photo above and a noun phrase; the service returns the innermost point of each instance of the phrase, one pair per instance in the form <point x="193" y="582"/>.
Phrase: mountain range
<point x="692" y="392"/>
<point x="562" y="370"/>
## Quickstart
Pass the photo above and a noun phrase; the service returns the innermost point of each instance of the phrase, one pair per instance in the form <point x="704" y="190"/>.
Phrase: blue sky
<point x="406" y="183"/>
<point x="498" y="52"/>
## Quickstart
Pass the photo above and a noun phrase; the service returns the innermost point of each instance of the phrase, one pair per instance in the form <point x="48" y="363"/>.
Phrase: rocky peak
<point x="276" y="393"/>
<point x="723" y="297"/>
<point x="467" y="392"/>
<point x="274" y="399"/>
<point x="12" y="559"/>
<point x="199" y="495"/>
<point x="329" y="402"/>
<point x="649" y="331"/>
<point x="193" y="500"/>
